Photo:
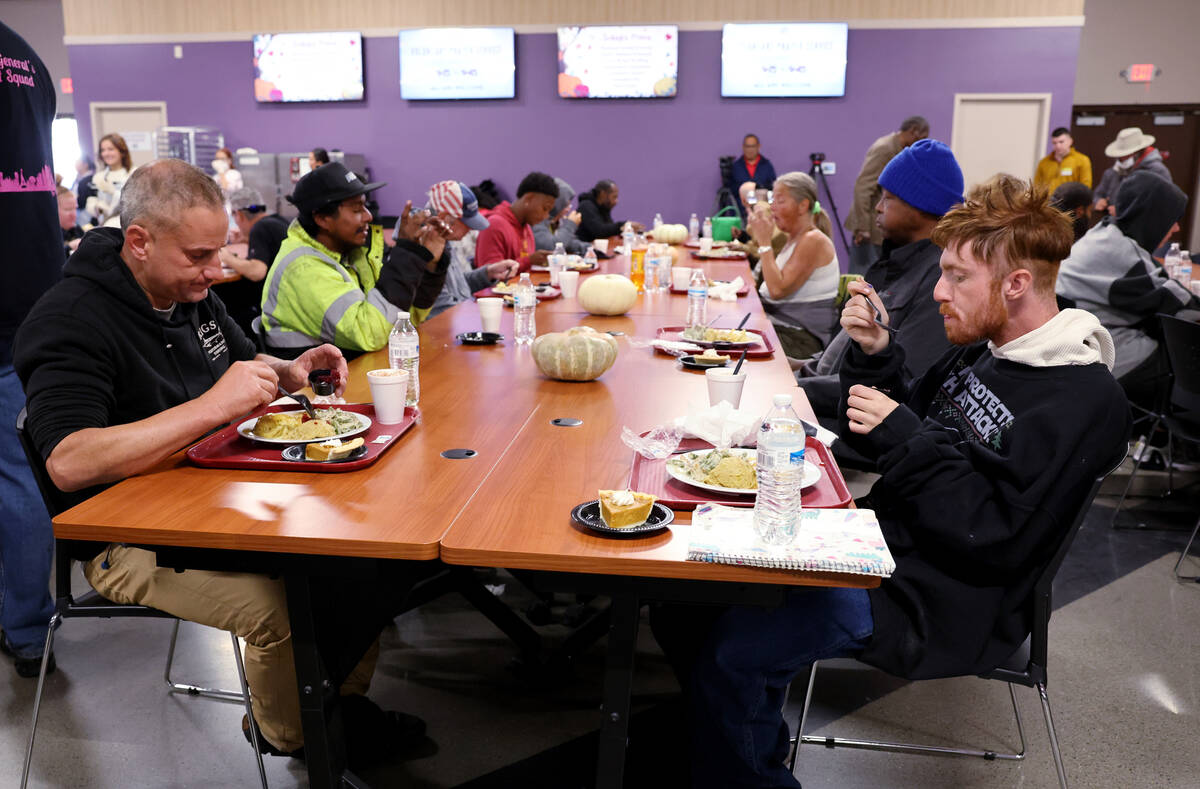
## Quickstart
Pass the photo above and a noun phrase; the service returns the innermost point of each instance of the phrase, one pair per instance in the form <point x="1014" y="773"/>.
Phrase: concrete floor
<point x="1124" y="685"/>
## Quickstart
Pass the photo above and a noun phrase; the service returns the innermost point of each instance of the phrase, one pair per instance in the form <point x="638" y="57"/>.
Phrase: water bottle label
<point x="797" y="458"/>
<point x="701" y="292"/>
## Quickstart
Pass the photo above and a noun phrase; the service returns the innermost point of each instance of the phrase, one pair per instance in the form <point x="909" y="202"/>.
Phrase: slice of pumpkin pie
<point x="623" y="509"/>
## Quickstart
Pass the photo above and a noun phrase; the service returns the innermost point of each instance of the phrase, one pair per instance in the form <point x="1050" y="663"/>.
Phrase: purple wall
<point x="663" y="153"/>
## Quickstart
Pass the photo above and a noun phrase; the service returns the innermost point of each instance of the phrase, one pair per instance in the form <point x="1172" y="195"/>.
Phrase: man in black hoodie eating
<point x="130" y="358"/>
<point x="984" y="461"/>
<point x="595" y="211"/>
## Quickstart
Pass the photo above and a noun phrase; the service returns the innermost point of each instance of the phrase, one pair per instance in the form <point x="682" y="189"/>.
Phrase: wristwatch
<point x="765" y="249"/>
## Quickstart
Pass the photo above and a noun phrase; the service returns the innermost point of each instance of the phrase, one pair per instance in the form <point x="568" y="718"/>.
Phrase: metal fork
<point x="301" y="399"/>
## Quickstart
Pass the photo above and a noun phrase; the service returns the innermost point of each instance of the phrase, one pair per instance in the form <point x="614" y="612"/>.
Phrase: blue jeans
<point x="26" y="539"/>
<point x="737" y="684"/>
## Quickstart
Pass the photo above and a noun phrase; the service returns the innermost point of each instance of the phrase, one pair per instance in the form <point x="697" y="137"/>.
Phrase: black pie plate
<point x="480" y="338"/>
<point x="588" y="514"/>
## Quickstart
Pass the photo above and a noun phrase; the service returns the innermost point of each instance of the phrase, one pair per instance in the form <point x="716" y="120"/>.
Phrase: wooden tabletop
<point x="509" y="505"/>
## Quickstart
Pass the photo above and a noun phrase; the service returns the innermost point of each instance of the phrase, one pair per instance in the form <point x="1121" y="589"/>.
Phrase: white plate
<point x="244" y="429"/>
<point x="755" y="339"/>
<point x="812" y="473"/>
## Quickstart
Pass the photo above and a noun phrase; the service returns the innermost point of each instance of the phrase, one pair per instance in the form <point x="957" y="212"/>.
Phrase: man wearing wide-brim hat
<point x="1132" y="150"/>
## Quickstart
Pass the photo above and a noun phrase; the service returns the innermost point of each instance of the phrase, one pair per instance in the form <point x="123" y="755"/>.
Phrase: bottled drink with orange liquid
<point x="637" y="262"/>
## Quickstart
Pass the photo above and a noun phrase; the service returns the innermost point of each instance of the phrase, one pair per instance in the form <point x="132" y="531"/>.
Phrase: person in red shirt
<point x="509" y="235"/>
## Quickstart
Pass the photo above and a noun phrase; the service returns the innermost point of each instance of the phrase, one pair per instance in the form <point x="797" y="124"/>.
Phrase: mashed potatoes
<point x="733" y="472"/>
<point x="289" y="427"/>
<point x="720" y="467"/>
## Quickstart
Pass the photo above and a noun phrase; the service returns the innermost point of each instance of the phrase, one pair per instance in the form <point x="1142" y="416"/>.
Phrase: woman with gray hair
<point x="800" y="283"/>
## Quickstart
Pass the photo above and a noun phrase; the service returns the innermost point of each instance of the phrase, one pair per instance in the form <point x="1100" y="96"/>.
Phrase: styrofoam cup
<point x="389" y="389"/>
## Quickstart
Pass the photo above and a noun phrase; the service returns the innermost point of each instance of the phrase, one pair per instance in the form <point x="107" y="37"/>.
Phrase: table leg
<point x="618" y="687"/>
<point x="324" y="743"/>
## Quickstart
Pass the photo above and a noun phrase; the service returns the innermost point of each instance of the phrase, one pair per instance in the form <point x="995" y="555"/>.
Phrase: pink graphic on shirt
<point x="42" y="182"/>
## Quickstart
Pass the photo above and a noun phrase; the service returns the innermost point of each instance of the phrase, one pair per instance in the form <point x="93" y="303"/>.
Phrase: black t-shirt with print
<point x="32" y="257"/>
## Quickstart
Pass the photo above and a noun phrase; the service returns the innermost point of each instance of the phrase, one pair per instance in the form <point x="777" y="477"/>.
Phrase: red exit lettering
<point x="1141" y="72"/>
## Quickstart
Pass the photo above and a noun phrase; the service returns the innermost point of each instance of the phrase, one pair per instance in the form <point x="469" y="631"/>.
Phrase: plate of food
<point x="727" y="470"/>
<point x="728" y="338"/>
<point x="720" y="253"/>
<point x="293" y="427"/>
<point x="332" y="450"/>
<point x="574" y="263"/>
<point x="623" y="512"/>
<point x="696" y="244"/>
<point x="702" y="361"/>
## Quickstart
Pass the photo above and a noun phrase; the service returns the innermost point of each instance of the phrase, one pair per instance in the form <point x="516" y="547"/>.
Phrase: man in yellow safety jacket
<point x="332" y="281"/>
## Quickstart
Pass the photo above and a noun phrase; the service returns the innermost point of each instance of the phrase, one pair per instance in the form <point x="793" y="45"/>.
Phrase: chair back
<point x="55" y="500"/>
<point x="1182" y="341"/>
<point x="1041" y="589"/>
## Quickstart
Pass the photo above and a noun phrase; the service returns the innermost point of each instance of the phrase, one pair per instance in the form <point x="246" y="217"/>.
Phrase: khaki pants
<point x="252" y="606"/>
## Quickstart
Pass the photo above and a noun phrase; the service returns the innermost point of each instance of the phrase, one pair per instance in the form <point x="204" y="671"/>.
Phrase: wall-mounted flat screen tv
<point x="308" y="67"/>
<point x="618" y="62"/>
<point x="457" y="63"/>
<point x="797" y="60"/>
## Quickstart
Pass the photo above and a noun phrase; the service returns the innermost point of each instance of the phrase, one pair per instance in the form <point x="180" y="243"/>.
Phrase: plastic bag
<point x="657" y="444"/>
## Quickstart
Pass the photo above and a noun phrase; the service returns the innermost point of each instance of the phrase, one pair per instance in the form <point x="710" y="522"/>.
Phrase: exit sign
<point x="1140" y="72"/>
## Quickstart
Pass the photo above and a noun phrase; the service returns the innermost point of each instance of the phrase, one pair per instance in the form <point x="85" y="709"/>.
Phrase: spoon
<point x="738" y="368"/>
<point x="743" y="323"/>
<point x="301" y="399"/>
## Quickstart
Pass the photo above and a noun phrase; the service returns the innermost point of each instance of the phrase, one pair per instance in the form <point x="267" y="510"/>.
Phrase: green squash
<point x="578" y="354"/>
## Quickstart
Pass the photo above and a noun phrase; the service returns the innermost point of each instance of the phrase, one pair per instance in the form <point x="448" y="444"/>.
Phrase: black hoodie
<point x="1147" y="206"/>
<point x="595" y="220"/>
<point x="93" y="353"/>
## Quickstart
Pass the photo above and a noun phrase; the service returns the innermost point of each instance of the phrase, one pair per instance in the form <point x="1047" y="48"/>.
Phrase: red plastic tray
<point x="761" y="350"/>
<point x="742" y="291"/>
<point x="227" y="449"/>
<point x="650" y="476"/>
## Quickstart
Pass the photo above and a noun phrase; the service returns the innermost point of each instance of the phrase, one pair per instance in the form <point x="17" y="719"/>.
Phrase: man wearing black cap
<point x="330" y="283"/>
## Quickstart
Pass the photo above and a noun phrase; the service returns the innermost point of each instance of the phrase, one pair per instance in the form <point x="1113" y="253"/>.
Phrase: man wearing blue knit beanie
<point x="918" y="185"/>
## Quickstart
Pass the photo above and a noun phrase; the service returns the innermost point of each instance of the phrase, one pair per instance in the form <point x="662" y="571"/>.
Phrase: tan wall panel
<point x="191" y="17"/>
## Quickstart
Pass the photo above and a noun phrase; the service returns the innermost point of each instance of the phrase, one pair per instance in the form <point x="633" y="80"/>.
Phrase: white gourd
<point x="577" y="354"/>
<point x="607" y="294"/>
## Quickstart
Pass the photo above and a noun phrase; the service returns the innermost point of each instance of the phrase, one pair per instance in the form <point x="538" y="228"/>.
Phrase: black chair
<point x="92" y="605"/>
<point x="1178" y="404"/>
<point x="1027" y="666"/>
<point x="1182" y="419"/>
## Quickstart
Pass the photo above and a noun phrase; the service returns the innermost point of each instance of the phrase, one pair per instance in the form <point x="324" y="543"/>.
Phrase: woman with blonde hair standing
<point x="116" y="163"/>
<point x="800" y="283"/>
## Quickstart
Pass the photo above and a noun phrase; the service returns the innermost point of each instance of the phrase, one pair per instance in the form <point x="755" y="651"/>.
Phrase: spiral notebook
<point x="827" y="540"/>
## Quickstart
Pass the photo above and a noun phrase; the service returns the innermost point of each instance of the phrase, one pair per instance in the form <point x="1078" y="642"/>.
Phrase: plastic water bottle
<point x="707" y="231"/>
<point x="558" y="259"/>
<point x="404" y="353"/>
<point x="1171" y="260"/>
<point x="780" y="469"/>
<point x="662" y="268"/>
<point x="524" y="307"/>
<point x="657" y="221"/>
<point x="1185" y="268"/>
<point x="589" y="257"/>
<point x="650" y="279"/>
<point x="697" y="312"/>
<point x="693" y="228"/>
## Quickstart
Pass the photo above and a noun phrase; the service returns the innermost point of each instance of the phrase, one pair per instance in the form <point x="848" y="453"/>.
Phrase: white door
<point x="999" y="133"/>
<point x="136" y="121"/>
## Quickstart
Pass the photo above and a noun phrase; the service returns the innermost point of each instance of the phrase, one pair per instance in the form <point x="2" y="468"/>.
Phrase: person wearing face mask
<point x="1111" y="274"/>
<point x="225" y="174"/>
<point x="1131" y="151"/>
